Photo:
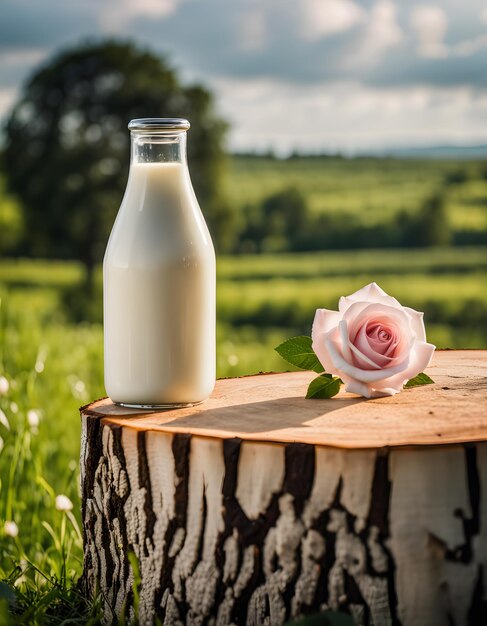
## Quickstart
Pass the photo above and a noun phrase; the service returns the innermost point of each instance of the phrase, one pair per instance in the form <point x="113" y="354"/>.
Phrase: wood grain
<point x="272" y="408"/>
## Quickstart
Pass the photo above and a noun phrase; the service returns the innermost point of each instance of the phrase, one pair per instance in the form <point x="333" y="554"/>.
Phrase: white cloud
<point x="430" y="24"/>
<point x="253" y="31"/>
<point x="116" y="15"/>
<point x="27" y="56"/>
<point x="377" y="47"/>
<point x="470" y="46"/>
<point x="321" y="18"/>
<point x="381" y="32"/>
<point x="348" y="116"/>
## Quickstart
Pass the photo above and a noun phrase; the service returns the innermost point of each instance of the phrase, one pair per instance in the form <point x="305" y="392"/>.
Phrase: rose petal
<point x="423" y="353"/>
<point x="355" y="386"/>
<point x="365" y="294"/>
<point x="362" y="389"/>
<point x="346" y="345"/>
<point x="374" y="336"/>
<point x="369" y="293"/>
<point x="362" y="375"/>
<point x="392" y="349"/>
<point x="324" y="321"/>
<point x="420" y="358"/>
<point x="379" y="346"/>
<point x="364" y="361"/>
<point x="382" y="393"/>
<point x="351" y="353"/>
<point x="360" y="313"/>
<point x="417" y="323"/>
<point x="321" y="351"/>
<point x="363" y="347"/>
<point x="387" y="316"/>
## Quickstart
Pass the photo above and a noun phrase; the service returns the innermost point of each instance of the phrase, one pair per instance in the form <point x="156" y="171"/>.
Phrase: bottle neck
<point x="158" y="147"/>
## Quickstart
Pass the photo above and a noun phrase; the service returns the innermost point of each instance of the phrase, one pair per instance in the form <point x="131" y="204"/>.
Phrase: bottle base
<point x="156" y="407"/>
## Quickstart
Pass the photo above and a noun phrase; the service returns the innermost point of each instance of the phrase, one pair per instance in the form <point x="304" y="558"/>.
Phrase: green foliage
<point x="323" y="387"/>
<point x="273" y="226"/>
<point x="283" y="223"/>
<point x="456" y="177"/>
<point x="430" y="227"/>
<point x="435" y="226"/>
<point x="298" y="351"/>
<point x="67" y="147"/>
<point x="418" y="381"/>
<point x="11" y="220"/>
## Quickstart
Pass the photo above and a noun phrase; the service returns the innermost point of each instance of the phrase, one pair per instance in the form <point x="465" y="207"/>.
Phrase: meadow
<point x="51" y="359"/>
<point x="370" y="190"/>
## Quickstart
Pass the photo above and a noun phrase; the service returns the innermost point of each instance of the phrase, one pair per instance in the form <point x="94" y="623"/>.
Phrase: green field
<point x="53" y="365"/>
<point x="372" y="191"/>
<point x="52" y="360"/>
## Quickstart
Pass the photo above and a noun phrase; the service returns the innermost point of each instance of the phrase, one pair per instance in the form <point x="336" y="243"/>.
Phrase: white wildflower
<point x="232" y="359"/>
<point x="11" y="529"/>
<point x="14" y="407"/>
<point x="4" y="386"/>
<point x="3" y="420"/>
<point x="1" y="444"/>
<point x="33" y="418"/>
<point x="79" y="387"/>
<point x="63" y="503"/>
<point x="40" y="360"/>
<point x="24" y="566"/>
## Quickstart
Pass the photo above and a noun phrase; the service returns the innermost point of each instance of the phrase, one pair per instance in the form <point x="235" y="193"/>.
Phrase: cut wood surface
<point x="259" y="507"/>
<point x="272" y="407"/>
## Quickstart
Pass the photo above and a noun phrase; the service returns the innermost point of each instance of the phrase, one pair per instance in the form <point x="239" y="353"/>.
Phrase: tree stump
<point x="258" y="506"/>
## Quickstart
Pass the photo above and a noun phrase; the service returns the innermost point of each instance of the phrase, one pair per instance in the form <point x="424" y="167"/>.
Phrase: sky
<point x="306" y="75"/>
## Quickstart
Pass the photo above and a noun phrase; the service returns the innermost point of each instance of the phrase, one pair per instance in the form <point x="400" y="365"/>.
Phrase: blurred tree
<point x="431" y="226"/>
<point x="456" y="177"/>
<point x="434" y="227"/>
<point x="11" y="220"/>
<point x="67" y="145"/>
<point x="277" y="224"/>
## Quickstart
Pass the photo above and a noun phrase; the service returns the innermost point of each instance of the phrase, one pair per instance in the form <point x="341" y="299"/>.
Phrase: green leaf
<point x="298" y="352"/>
<point x="324" y="386"/>
<point x="417" y="381"/>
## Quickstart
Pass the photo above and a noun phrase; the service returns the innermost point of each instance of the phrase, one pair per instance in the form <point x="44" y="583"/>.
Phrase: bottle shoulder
<point x="159" y="220"/>
<point x="148" y="244"/>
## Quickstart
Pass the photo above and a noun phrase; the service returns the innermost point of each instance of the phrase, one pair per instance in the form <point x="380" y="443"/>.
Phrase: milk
<point x="159" y="292"/>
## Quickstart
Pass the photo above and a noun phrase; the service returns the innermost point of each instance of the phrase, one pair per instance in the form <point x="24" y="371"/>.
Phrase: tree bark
<point x="233" y="530"/>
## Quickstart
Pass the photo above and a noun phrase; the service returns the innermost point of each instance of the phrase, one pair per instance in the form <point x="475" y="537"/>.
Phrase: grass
<point x="52" y="366"/>
<point x="48" y="370"/>
<point x="374" y="263"/>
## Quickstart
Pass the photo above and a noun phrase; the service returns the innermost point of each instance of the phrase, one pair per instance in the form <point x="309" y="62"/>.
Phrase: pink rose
<point x="373" y="343"/>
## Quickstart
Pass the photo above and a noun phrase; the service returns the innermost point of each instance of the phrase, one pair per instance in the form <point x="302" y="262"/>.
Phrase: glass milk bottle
<point x="159" y="279"/>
